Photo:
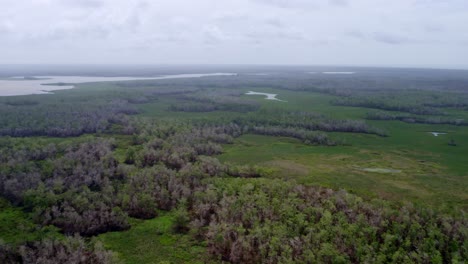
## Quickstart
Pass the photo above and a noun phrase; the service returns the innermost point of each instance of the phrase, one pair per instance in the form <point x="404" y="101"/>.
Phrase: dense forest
<point x="82" y="189"/>
<point x="83" y="163"/>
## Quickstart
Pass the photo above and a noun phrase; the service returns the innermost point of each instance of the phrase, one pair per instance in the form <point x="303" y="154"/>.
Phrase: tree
<point x="452" y="143"/>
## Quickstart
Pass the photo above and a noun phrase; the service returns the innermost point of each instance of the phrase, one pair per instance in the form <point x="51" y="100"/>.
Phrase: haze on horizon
<point x="419" y="33"/>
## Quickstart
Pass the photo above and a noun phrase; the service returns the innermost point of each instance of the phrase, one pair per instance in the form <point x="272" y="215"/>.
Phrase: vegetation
<point x="416" y="119"/>
<point x="195" y="171"/>
<point x="68" y="250"/>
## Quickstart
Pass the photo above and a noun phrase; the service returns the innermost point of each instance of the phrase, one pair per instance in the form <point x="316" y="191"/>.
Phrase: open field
<point x="421" y="178"/>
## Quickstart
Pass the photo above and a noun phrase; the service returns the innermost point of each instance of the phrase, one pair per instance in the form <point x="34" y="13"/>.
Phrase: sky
<point x="425" y="33"/>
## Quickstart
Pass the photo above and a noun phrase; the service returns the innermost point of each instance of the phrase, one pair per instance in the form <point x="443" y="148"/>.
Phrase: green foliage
<point x="273" y="221"/>
<point x="452" y="143"/>
<point x="17" y="227"/>
<point x="67" y="250"/>
<point x="181" y="220"/>
<point x="152" y="241"/>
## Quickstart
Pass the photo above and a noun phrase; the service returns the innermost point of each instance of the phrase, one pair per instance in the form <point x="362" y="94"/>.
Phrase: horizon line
<point x="402" y="66"/>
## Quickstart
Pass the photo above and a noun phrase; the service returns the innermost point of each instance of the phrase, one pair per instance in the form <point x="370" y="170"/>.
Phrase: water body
<point x="47" y="84"/>
<point x="331" y="72"/>
<point x="259" y="74"/>
<point x="338" y="72"/>
<point x="436" y="134"/>
<point x="269" y="96"/>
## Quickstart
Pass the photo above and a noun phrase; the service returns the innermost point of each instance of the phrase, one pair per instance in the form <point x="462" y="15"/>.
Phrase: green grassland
<point x="432" y="172"/>
<point x="153" y="241"/>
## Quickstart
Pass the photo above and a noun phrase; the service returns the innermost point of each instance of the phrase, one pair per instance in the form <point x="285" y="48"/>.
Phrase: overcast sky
<point x="432" y="33"/>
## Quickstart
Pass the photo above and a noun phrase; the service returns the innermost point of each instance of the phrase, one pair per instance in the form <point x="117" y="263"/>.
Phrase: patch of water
<point x="436" y="134"/>
<point x="269" y="96"/>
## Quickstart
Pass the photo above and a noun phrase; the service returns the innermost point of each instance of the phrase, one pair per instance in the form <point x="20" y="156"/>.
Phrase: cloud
<point x="434" y="28"/>
<point x="277" y="34"/>
<point x="249" y="31"/>
<point x="338" y="2"/>
<point x="300" y="4"/>
<point x="6" y="27"/>
<point x="275" y="22"/>
<point x="380" y="37"/>
<point x="230" y="17"/>
<point x="389" y="38"/>
<point x="212" y="34"/>
<point x="289" y="3"/>
<point x="357" y="34"/>
<point x="83" y="3"/>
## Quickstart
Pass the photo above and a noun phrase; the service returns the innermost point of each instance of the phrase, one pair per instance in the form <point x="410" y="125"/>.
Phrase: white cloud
<point x="213" y="34"/>
<point x="234" y="31"/>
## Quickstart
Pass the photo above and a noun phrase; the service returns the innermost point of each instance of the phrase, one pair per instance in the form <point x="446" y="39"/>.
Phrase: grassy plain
<point x="432" y="172"/>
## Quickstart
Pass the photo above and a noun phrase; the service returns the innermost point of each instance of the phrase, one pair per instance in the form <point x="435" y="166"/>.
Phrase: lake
<point x="43" y="84"/>
<point x="268" y="96"/>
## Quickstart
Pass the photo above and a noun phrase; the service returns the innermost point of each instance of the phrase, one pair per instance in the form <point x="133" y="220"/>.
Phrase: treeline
<point x="225" y="134"/>
<point x="69" y="250"/>
<point x="209" y="101"/>
<point x="307" y="137"/>
<point x="412" y="101"/>
<point x="416" y="119"/>
<point x="63" y="119"/>
<point x="305" y="121"/>
<point x="193" y="107"/>
<point x="386" y="104"/>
